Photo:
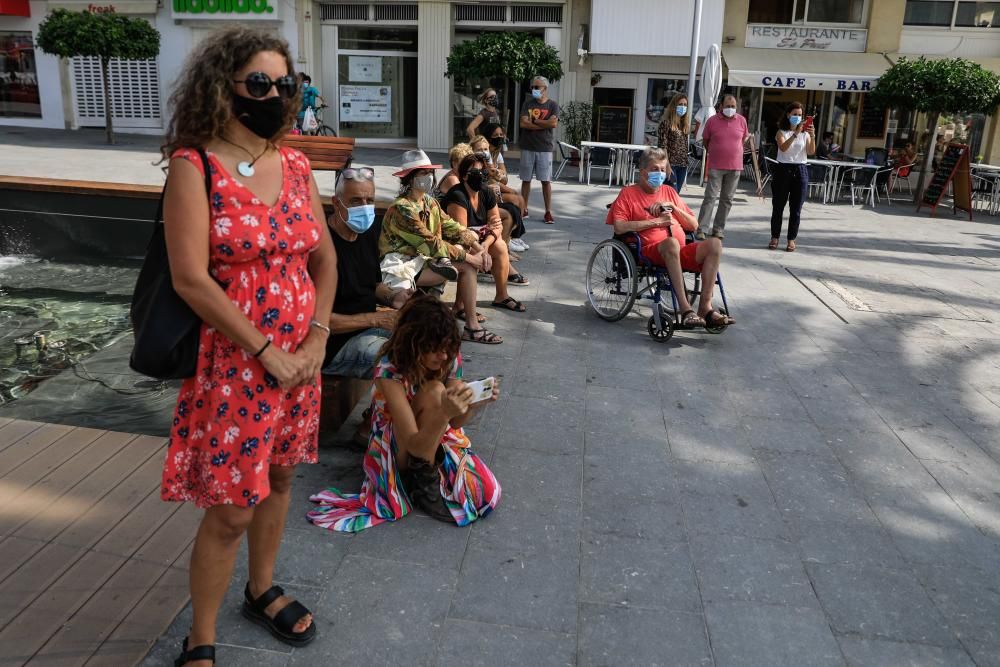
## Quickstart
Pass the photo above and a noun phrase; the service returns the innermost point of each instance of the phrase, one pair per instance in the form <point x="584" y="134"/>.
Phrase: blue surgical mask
<point x="681" y="110"/>
<point x="536" y="93"/>
<point x="656" y="178"/>
<point x="794" y="120"/>
<point x="361" y="218"/>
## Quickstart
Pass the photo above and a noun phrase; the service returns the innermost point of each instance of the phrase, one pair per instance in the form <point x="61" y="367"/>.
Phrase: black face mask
<point x="492" y="101"/>
<point x="475" y="179"/>
<point x="497" y="142"/>
<point x="264" y="118"/>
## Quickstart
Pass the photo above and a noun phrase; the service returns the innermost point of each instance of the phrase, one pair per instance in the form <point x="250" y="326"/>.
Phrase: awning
<point x="15" y="8"/>
<point x="803" y="70"/>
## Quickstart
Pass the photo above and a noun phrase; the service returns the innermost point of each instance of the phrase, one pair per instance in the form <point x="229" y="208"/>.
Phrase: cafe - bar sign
<point x="224" y="9"/>
<point x="806" y="38"/>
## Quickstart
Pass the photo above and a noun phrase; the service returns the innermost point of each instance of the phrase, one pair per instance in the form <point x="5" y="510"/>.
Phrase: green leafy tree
<point x="105" y="35"/>
<point x="936" y="87"/>
<point x="511" y="56"/>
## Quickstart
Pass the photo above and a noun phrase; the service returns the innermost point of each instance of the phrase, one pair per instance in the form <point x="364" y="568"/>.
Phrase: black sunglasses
<point x="259" y="85"/>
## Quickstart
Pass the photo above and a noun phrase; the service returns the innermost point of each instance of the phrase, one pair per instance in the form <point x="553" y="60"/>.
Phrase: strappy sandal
<point x="716" y="320"/>
<point x="510" y="303"/>
<point x="479" y="316"/>
<point x="690" y="319"/>
<point x="517" y="279"/>
<point x="283" y="623"/>
<point x="790" y="247"/>
<point x="483" y="336"/>
<point x="205" y="652"/>
<point x="773" y="245"/>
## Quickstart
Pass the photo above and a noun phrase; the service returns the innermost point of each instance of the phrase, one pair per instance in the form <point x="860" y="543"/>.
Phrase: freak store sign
<point x="225" y="9"/>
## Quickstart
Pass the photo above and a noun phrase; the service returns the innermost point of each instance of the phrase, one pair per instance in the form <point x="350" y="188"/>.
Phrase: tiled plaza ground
<point x="818" y="485"/>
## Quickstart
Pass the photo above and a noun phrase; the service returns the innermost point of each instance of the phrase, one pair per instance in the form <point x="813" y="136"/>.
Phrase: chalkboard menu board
<point x="614" y="124"/>
<point x="953" y="168"/>
<point x="871" y="119"/>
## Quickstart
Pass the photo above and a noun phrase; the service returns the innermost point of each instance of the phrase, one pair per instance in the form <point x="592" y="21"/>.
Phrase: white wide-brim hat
<point x="415" y="160"/>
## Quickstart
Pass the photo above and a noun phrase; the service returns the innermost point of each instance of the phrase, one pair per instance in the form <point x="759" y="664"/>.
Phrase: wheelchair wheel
<point x="658" y="334"/>
<point x="612" y="280"/>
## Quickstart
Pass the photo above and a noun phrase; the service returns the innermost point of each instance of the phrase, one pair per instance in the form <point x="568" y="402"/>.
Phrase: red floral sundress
<point x="232" y="420"/>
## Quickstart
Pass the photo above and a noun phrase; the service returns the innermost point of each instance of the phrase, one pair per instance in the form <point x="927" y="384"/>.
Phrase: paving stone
<point x="603" y="438"/>
<point x="785" y="436"/>
<point x="485" y="645"/>
<point x="523" y="415"/>
<point x="975" y="487"/>
<point x="699" y="442"/>
<point x="698" y="405"/>
<point x="634" y="411"/>
<point x="728" y="499"/>
<point x="558" y="384"/>
<point x="614" y="378"/>
<point x="518" y="522"/>
<point x="814" y="488"/>
<point x="876" y="653"/>
<point x="541" y="477"/>
<point x="768" y="403"/>
<point x="985" y="655"/>
<point x="755" y="634"/>
<point x="940" y="442"/>
<point x="165" y="651"/>
<point x="416" y="538"/>
<point x="879" y="460"/>
<point x="637" y="572"/>
<point x="381" y="612"/>
<point x="619" y="636"/>
<point x="857" y="542"/>
<point x="310" y="556"/>
<point x="879" y="603"/>
<point x="968" y="599"/>
<point x="734" y="568"/>
<point x="513" y="587"/>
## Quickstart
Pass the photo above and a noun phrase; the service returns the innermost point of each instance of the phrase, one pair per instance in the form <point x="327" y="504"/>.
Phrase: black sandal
<point x="205" y="652"/>
<point x="690" y="319"/>
<point x="461" y="316"/>
<point x="284" y="621"/>
<point x="510" y="303"/>
<point x="712" y="323"/>
<point x="484" y="336"/>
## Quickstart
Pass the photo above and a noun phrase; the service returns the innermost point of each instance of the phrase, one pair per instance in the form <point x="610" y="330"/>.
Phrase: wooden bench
<point x="324" y="153"/>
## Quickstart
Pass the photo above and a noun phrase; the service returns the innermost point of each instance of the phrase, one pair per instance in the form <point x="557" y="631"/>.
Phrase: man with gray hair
<point x="724" y="137"/>
<point x="539" y="119"/>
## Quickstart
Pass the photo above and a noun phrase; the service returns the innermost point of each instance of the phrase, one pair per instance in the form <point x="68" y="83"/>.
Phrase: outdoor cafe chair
<point x="986" y="189"/>
<point x="860" y="186"/>
<point x="601" y="158"/>
<point x="818" y="176"/>
<point x="566" y="155"/>
<point x="902" y="174"/>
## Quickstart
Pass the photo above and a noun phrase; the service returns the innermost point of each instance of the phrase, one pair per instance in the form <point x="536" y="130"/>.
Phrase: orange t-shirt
<point x="633" y="204"/>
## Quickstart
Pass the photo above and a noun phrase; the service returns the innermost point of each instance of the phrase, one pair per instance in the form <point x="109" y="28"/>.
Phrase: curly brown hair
<point x="201" y="101"/>
<point x="425" y="325"/>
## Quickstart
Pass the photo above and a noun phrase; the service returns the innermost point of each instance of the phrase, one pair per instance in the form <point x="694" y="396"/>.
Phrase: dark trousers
<point x="517" y="229"/>
<point x="789" y="186"/>
<point x="680" y="173"/>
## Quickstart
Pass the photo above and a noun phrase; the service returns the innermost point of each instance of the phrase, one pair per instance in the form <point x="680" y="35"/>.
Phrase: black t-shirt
<point x="358" y="273"/>
<point x="476" y="217"/>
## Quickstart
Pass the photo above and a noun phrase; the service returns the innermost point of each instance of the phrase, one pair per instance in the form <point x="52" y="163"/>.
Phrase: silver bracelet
<point x="319" y="325"/>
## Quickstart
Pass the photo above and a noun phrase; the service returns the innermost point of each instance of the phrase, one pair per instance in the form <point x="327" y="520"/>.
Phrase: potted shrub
<point x="577" y="120"/>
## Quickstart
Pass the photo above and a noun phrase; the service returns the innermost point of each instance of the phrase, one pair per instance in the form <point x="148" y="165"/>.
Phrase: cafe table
<point x="623" y="162"/>
<point x="833" y="170"/>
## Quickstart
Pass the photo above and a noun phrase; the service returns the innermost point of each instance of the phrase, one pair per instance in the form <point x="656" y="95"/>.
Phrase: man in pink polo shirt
<point x="724" y="137"/>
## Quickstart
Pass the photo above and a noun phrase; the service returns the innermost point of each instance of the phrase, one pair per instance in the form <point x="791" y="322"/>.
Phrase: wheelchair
<point x="618" y="276"/>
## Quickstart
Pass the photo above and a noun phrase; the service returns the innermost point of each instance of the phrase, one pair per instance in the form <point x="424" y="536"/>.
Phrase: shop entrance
<point x="775" y="101"/>
<point x="613" y="119"/>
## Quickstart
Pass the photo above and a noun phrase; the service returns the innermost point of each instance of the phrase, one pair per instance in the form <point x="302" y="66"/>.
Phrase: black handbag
<point x="166" y="329"/>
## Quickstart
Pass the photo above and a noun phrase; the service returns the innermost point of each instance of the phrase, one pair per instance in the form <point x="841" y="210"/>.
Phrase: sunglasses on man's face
<point x="259" y="85"/>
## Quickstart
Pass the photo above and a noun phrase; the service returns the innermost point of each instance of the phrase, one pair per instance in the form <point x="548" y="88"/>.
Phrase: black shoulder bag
<point x="166" y="329"/>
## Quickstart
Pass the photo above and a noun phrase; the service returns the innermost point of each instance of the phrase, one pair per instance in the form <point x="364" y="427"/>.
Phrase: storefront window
<point x="929" y="12"/>
<point x="808" y="11"/>
<point x="377" y="83"/>
<point x="18" y="78"/>
<point x="978" y="15"/>
<point x="658" y="94"/>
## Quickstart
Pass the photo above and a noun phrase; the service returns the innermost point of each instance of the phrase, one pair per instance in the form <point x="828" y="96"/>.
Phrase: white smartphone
<point x="482" y="390"/>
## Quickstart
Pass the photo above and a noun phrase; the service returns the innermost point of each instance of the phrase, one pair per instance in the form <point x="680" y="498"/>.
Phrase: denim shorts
<point x="359" y="355"/>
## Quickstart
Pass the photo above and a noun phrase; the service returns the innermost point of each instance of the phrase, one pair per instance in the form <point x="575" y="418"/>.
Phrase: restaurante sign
<point x="808" y="38"/>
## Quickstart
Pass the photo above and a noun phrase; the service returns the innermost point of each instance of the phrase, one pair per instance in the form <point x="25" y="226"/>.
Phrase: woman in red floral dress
<point x="255" y="261"/>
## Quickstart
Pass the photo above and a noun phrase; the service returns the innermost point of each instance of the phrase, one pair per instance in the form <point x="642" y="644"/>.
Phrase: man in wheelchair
<point x="657" y="214"/>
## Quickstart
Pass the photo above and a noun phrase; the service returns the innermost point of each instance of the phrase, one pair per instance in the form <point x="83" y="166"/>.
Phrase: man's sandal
<point x="517" y="279"/>
<point x="284" y="622"/>
<point x="483" y="336"/>
<point x="205" y="652"/>
<point x="690" y="319"/>
<point x="460" y="314"/>
<point x="773" y="245"/>
<point x="716" y="320"/>
<point x="510" y="303"/>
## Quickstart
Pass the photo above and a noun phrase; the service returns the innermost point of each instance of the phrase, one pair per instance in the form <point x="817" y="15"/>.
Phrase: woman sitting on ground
<point x="510" y="199"/>
<point x="472" y="204"/>
<point x="417" y="444"/>
<point x="450" y="178"/>
<point x="415" y="226"/>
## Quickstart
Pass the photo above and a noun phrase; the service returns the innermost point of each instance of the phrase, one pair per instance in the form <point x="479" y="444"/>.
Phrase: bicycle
<point x="322" y="130"/>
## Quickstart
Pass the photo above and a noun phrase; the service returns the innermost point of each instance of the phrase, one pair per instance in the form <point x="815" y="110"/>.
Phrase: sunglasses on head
<point x="359" y="174"/>
<point x="259" y="85"/>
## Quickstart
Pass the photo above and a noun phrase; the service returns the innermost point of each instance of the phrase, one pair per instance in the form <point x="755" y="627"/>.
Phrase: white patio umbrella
<point x="709" y="86"/>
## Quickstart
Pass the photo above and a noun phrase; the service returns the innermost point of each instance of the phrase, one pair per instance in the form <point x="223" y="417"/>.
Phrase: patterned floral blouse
<point x="675" y="142"/>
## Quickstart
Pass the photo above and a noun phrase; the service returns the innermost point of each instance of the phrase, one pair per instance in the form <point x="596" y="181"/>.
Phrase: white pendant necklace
<point x="246" y="168"/>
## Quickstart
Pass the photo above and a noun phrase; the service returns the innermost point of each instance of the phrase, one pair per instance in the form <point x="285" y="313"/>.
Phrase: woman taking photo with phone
<point x="255" y="262"/>
<point x="796" y="140"/>
<point x="418" y="454"/>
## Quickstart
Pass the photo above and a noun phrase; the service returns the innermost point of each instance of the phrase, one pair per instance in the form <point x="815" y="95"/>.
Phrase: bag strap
<point x="208" y="185"/>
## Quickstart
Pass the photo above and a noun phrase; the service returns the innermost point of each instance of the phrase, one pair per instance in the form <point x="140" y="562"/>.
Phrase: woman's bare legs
<point x="467" y="294"/>
<point x="426" y="405"/>
<point x="501" y="268"/>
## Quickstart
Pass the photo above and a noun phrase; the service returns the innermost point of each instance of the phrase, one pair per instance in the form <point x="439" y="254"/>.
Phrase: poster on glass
<point x="365" y="104"/>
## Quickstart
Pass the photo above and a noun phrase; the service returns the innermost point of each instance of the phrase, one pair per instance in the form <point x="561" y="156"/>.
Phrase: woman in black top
<point x="472" y="204"/>
<point x="488" y="114"/>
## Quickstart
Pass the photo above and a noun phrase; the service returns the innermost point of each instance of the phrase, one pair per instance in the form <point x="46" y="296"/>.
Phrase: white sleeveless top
<point x="796" y="153"/>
